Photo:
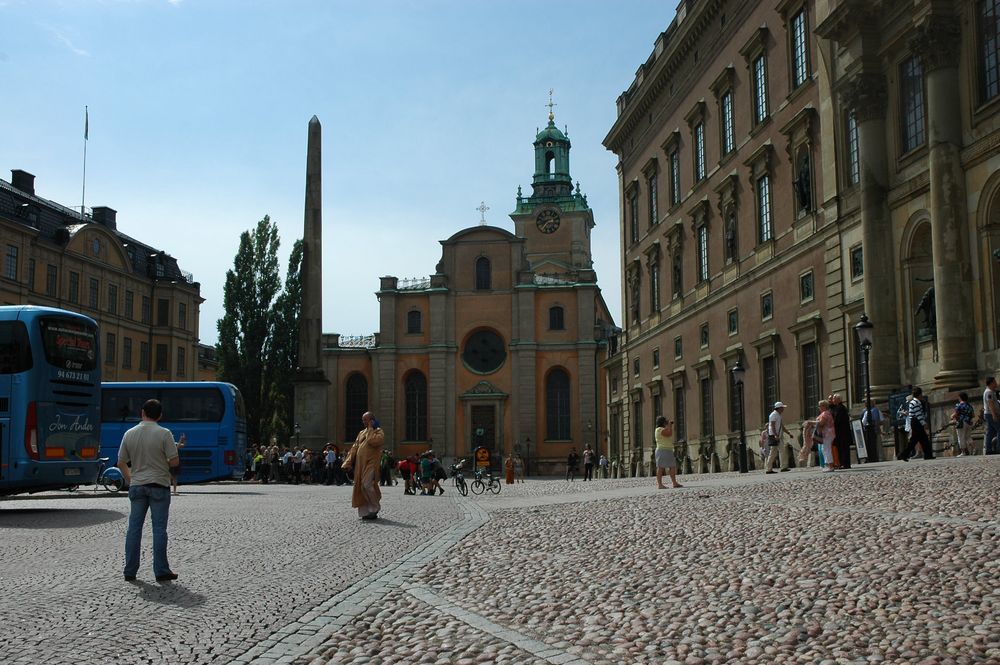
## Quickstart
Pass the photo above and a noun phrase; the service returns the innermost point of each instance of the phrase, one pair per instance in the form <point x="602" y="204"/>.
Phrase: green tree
<point x="283" y="358"/>
<point x="246" y="330"/>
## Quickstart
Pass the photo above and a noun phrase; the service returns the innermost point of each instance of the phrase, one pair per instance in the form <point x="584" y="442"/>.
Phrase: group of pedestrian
<point x="423" y="474"/>
<point x="271" y="464"/>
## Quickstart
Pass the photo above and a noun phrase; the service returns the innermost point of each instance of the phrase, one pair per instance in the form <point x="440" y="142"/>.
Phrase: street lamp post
<point x="739" y="373"/>
<point x="298" y="436"/>
<point x="865" y="331"/>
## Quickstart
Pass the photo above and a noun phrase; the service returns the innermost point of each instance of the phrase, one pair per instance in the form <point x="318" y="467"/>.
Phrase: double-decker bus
<point x="211" y="415"/>
<point x="50" y="379"/>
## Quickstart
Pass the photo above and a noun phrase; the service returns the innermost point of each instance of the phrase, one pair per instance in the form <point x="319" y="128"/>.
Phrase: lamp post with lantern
<point x="865" y="330"/>
<point x="739" y="373"/>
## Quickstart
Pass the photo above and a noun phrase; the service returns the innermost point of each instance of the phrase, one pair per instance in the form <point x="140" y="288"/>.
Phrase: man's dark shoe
<point x="130" y="578"/>
<point x="771" y="471"/>
<point x="166" y="577"/>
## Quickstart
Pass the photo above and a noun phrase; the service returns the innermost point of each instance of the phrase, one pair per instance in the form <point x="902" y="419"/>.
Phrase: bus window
<point x="193" y="405"/>
<point x="69" y="344"/>
<point x="123" y="406"/>
<point x="15" y="349"/>
<point x="241" y="409"/>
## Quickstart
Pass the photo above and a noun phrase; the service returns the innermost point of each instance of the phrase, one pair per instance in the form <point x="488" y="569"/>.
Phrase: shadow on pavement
<point x="56" y="518"/>
<point x="169" y="593"/>
<point x="385" y="522"/>
<point x="218" y="493"/>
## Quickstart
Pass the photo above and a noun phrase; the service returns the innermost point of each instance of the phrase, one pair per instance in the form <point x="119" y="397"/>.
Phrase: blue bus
<point x="211" y="414"/>
<point x="50" y="379"/>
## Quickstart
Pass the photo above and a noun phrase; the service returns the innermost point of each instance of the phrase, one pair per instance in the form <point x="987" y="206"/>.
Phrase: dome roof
<point x="550" y="133"/>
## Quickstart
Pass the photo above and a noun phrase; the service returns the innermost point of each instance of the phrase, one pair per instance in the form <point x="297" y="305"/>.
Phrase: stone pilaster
<point x="866" y="94"/>
<point x="937" y="44"/>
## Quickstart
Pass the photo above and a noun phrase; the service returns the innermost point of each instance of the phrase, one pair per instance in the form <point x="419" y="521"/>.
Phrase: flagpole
<point x="86" y="131"/>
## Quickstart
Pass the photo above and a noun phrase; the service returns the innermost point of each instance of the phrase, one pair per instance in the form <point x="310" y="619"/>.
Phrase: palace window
<point x="678" y="348"/>
<point x="654" y="286"/>
<point x="10" y="264"/>
<point x="637" y="423"/>
<point x="988" y="24"/>
<point x="759" y="80"/>
<point x="557" y="407"/>
<point x="728" y="123"/>
<point x="633" y="215"/>
<point x="800" y="58"/>
<point x="127" y="353"/>
<point x="556" y="318"/>
<point x="483" y="274"/>
<point x="810" y="377"/>
<point x="769" y="383"/>
<point x="733" y="319"/>
<point x="767" y="306"/>
<point x="413" y="322"/>
<point x="162" y="312"/>
<point x="181" y="361"/>
<point x="675" y="178"/>
<point x="764" y="229"/>
<point x="51" y="279"/>
<point x="853" y="149"/>
<point x="656" y="358"/>
<point x="707" y="423"/>
<point x="109" y="349"/>
<point x="146" y="310"/>
<point x="679" y="420"/>
<point x="129" y="305"/>
<point x="734" y="403"/>
<point x="95" y="293"/>
<point x="703" y="253"/>
<point x="74" y="287"/>
<point x="182" y="316"/>
<point x="699" y="152"/>
<point x="143" y="356"/>
<point x="912" y="96"/>
<point x="415" y="390"/>
<point x="651" y="182"/>
<point x="635" y="367"/>
<point x="703" y="337"/>
<point x="806" y="287"/>
<point x="677" y="274"/>
<point x="161" y="358"/>
<point x="31" y="274"/>
<point x="857" y="263"/>
<point x="112" y="299"/>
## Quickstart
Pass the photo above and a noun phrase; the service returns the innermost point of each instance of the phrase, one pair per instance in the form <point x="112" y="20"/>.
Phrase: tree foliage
<point x="260" y="319"/>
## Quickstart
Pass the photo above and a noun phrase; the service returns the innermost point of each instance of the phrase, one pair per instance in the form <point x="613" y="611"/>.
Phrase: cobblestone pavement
<point x="251" y="559"/>
<point x="889" y="562"/>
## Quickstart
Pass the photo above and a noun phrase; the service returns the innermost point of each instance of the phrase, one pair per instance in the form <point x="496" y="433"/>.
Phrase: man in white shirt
<point x="151" y="451"/>
<point x="991" y="415"/>
<point x="775" y="428"/>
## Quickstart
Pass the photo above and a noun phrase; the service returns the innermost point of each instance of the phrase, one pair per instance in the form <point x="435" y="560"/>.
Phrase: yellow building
<point x="146" y="306"/>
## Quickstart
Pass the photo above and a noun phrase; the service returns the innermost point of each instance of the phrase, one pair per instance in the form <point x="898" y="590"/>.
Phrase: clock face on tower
<point x="547" y="221"/>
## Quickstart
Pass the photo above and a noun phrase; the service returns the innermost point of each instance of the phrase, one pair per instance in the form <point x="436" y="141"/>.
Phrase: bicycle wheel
<point x="478" y="486"/>
<point x="463" y="488"/>
<point x="495" y="486"/>
<point x="114" y="484"/>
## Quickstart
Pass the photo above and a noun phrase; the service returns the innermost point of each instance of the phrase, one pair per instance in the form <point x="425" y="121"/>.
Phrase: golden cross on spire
<point x="551" y="103"/>
<point x="482" y="211"/>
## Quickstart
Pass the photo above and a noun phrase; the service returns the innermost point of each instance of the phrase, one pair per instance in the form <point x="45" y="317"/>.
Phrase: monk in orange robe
<point x="364" y="458"/>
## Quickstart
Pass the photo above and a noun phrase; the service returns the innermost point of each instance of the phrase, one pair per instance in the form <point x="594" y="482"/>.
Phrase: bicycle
<point x="492" y="483"/>
<point x="458" y="479"/>
<point x="109" y="476"/>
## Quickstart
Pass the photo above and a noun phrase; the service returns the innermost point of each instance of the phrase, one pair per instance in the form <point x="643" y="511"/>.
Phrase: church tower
<point x="555" y="220"/>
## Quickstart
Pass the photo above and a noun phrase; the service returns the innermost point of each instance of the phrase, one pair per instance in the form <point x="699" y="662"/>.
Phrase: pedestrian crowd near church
<point x="274" y="464"/>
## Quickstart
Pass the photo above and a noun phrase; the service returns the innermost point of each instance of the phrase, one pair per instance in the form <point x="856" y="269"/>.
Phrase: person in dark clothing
<point x="917" y="413"/>
<point x="842" y="427"/>
<point x="572" y="464"/>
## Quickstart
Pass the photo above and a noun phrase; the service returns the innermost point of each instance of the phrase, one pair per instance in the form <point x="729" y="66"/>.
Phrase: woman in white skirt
<point x="665" y="460"/>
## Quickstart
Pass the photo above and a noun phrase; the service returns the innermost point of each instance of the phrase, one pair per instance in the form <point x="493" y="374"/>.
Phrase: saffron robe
<point x="364" y="458"/>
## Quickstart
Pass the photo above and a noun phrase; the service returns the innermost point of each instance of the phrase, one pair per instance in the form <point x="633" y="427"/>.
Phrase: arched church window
<point x="557" y="408"/>
<point x="556" y="321"/>
<point x="415" y="390"/>
<point x="413" y="322"/>
<point x="483" y="276"/>
<point x="355" y="404"/>
<point x="550" y="163"/>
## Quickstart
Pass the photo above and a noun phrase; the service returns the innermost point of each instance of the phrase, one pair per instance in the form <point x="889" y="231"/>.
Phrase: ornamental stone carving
<point x="937" y="42"/>
<point x="867" y="95"/>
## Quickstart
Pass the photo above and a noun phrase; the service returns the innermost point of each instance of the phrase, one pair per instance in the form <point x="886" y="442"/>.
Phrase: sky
<point x="198" y="115"/>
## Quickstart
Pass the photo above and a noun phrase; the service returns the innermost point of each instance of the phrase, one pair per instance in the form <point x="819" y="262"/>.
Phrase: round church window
<point x="484" y="352"/>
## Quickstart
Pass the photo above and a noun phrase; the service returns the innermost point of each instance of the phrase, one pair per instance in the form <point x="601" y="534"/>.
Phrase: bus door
<point x="15" y="358"/>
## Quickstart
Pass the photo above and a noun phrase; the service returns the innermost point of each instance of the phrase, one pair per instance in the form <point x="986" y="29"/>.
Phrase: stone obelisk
<point x="311" y="384"/>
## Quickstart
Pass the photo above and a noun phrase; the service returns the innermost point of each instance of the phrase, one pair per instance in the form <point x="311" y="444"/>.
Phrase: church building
<point x="501" y="346"/>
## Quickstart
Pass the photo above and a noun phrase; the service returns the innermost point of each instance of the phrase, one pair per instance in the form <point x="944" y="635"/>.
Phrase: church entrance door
<point x="484" y="429"/>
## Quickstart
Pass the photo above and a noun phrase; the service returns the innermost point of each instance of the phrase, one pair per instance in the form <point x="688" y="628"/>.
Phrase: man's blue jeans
<point x="990" y="442"/>
<point x="156" y="500"/>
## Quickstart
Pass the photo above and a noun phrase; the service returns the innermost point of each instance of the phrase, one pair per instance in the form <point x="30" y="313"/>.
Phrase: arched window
<point x="355" y="405"/>
<point x="415" y="389"/>
<point x="550" y="163"/>
<point x="557" y="405"/>
<point x="413" y="323"/>
<point x="483" y="273"/>
<point x="556" y="321"/>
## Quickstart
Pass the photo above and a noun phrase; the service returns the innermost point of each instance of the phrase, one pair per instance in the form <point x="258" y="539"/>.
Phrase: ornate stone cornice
<point x="866" y="93"/>
<point x="937" y="42"/>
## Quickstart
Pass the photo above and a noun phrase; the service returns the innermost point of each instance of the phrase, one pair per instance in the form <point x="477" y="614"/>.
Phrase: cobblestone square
<point x="889" y="562"/>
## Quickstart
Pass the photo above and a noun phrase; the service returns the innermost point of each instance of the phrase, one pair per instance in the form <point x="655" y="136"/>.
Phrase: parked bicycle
<point x="485" y="481"/>
<point x="459" y="479"/>
<point x="109" y="476"/>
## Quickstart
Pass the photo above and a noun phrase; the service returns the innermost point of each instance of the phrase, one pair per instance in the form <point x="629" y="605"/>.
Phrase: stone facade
<point x="865" y="133"/>
<point x="148" y="309"/>
<point x="500" y="347"/>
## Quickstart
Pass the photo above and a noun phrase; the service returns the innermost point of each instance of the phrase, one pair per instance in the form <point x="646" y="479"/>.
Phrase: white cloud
<point x="65" y="41"/>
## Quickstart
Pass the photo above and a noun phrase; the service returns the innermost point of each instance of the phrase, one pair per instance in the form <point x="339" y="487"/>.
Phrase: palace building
<point x="147" y="308"/>
<point x="786" y="167"/>
<point x="500" y="346"/>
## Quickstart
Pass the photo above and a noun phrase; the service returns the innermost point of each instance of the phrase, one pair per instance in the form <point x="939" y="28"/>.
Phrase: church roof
<point x="504" y="233"/>
<point x="551" y="132"/>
